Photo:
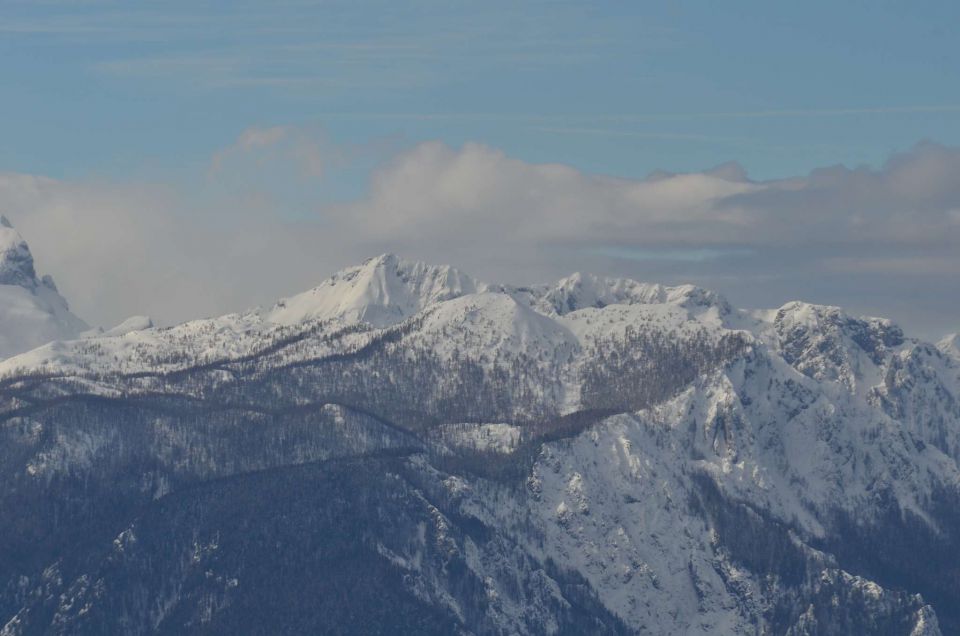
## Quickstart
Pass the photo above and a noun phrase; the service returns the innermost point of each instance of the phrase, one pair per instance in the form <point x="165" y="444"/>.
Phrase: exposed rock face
<point x="32" y="312"/>
<point x="16" y="262"/>
<point x="406" y="449"/>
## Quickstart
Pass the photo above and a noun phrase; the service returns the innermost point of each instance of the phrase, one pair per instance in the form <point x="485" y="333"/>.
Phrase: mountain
<point x="380" y="292"/>
<point x="32" y="312"/>
<point x="950" y="346"/>
<point x="404" y="449"/>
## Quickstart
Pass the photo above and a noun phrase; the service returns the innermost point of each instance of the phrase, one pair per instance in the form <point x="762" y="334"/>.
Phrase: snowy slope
<point x="382" y="291"/>
<point x="32" y="312"/>
<point x="950" y="346"/>
<point x="698" y="468"/>
<point x="580" y="291"/>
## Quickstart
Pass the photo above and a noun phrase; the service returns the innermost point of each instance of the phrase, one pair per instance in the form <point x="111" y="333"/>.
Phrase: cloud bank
<point x="882" y="240"/>
<point x="478" y="192"/>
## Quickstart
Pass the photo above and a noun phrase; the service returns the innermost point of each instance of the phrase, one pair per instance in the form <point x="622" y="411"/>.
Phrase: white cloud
<point x="477" y="193"/>
<point x="265" y="145"/>
<point x="117" y="250"/>
<point x="866" y="238"/>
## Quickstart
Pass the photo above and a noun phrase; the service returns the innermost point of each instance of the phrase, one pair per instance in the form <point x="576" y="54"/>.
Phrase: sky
<point x="183" y="159"/>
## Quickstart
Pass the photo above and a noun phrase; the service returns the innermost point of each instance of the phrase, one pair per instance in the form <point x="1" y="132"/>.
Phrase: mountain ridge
<point x="650" y="458"/>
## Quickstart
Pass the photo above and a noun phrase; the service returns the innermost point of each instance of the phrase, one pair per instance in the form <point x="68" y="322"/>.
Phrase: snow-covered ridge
<point x="950" y="346"/>
<point x="382" y="291"/>
<point x="131" y="324"/>
<point x="579" y="291"/>
<point x="828" y="344"/>
<point x="387" y="291"/>
<point x="631" y="403"/>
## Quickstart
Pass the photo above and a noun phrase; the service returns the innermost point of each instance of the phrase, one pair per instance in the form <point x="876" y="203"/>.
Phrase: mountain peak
<point x="579" y="291"/>
<point x="387" y="258"/>
<point x="16" y="262"/>
<point x="387" y="289"/>
<point x="384" y="290"/>
<point x="950" y="345"/>
<point x="32" y="312"/>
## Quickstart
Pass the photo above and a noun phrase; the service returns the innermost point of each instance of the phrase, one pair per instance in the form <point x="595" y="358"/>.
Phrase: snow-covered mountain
<point x="380" y="292"/>
<point x="950" y="346"/>
<point x="406" y="449"/>
<point x="32" y="312"/>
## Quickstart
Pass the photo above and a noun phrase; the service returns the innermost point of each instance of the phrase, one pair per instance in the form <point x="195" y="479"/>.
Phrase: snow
<point x="499" y="437"/>
<point x="30" y="318"/>
<point x="819" y="410"/>
<point x="815" y="373"/>
<point x="950" y="346"/>
<point x="16" y="262"/>
<point x="581" y="291"/>
<point x="493" y="323"/>
<point x="32" y="312"/>
<point x="611" y="505"/>
<point x="613" y="502"/>
<point x="131" y="324"/>
<point x="382" y="291"/>
<point x="593" y="325"/>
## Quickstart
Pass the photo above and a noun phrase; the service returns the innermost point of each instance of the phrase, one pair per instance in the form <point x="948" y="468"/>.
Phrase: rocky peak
<point x="951" y="346"/>
<point x="16" y="262"/>
<point x="382" y="291"/>
<point x="580" y="291"/>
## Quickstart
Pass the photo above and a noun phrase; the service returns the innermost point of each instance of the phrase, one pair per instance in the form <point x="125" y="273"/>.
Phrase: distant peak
<point x="383" y="259"/>
<point x="16" y="262"/>
<point x="814" y="315"/>
<point x="950" y="345"/>
<point x="407" y="270"/>
<point x="579" y="291"/>
<point x="384" y="290"/>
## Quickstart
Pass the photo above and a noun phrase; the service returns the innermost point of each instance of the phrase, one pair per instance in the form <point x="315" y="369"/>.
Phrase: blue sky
<point x="192" y="158"/>
<point x="130" y="88"/>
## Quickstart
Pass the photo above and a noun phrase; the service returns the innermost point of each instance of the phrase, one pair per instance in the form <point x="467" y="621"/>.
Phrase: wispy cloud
<point x="309" y="151"/>
<point x="619" y="132"/>
<point x="560" y="118"/>
<point x="790" y="113"/>
<point x="320" y="44"/>
<point x="270" y="67"/>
